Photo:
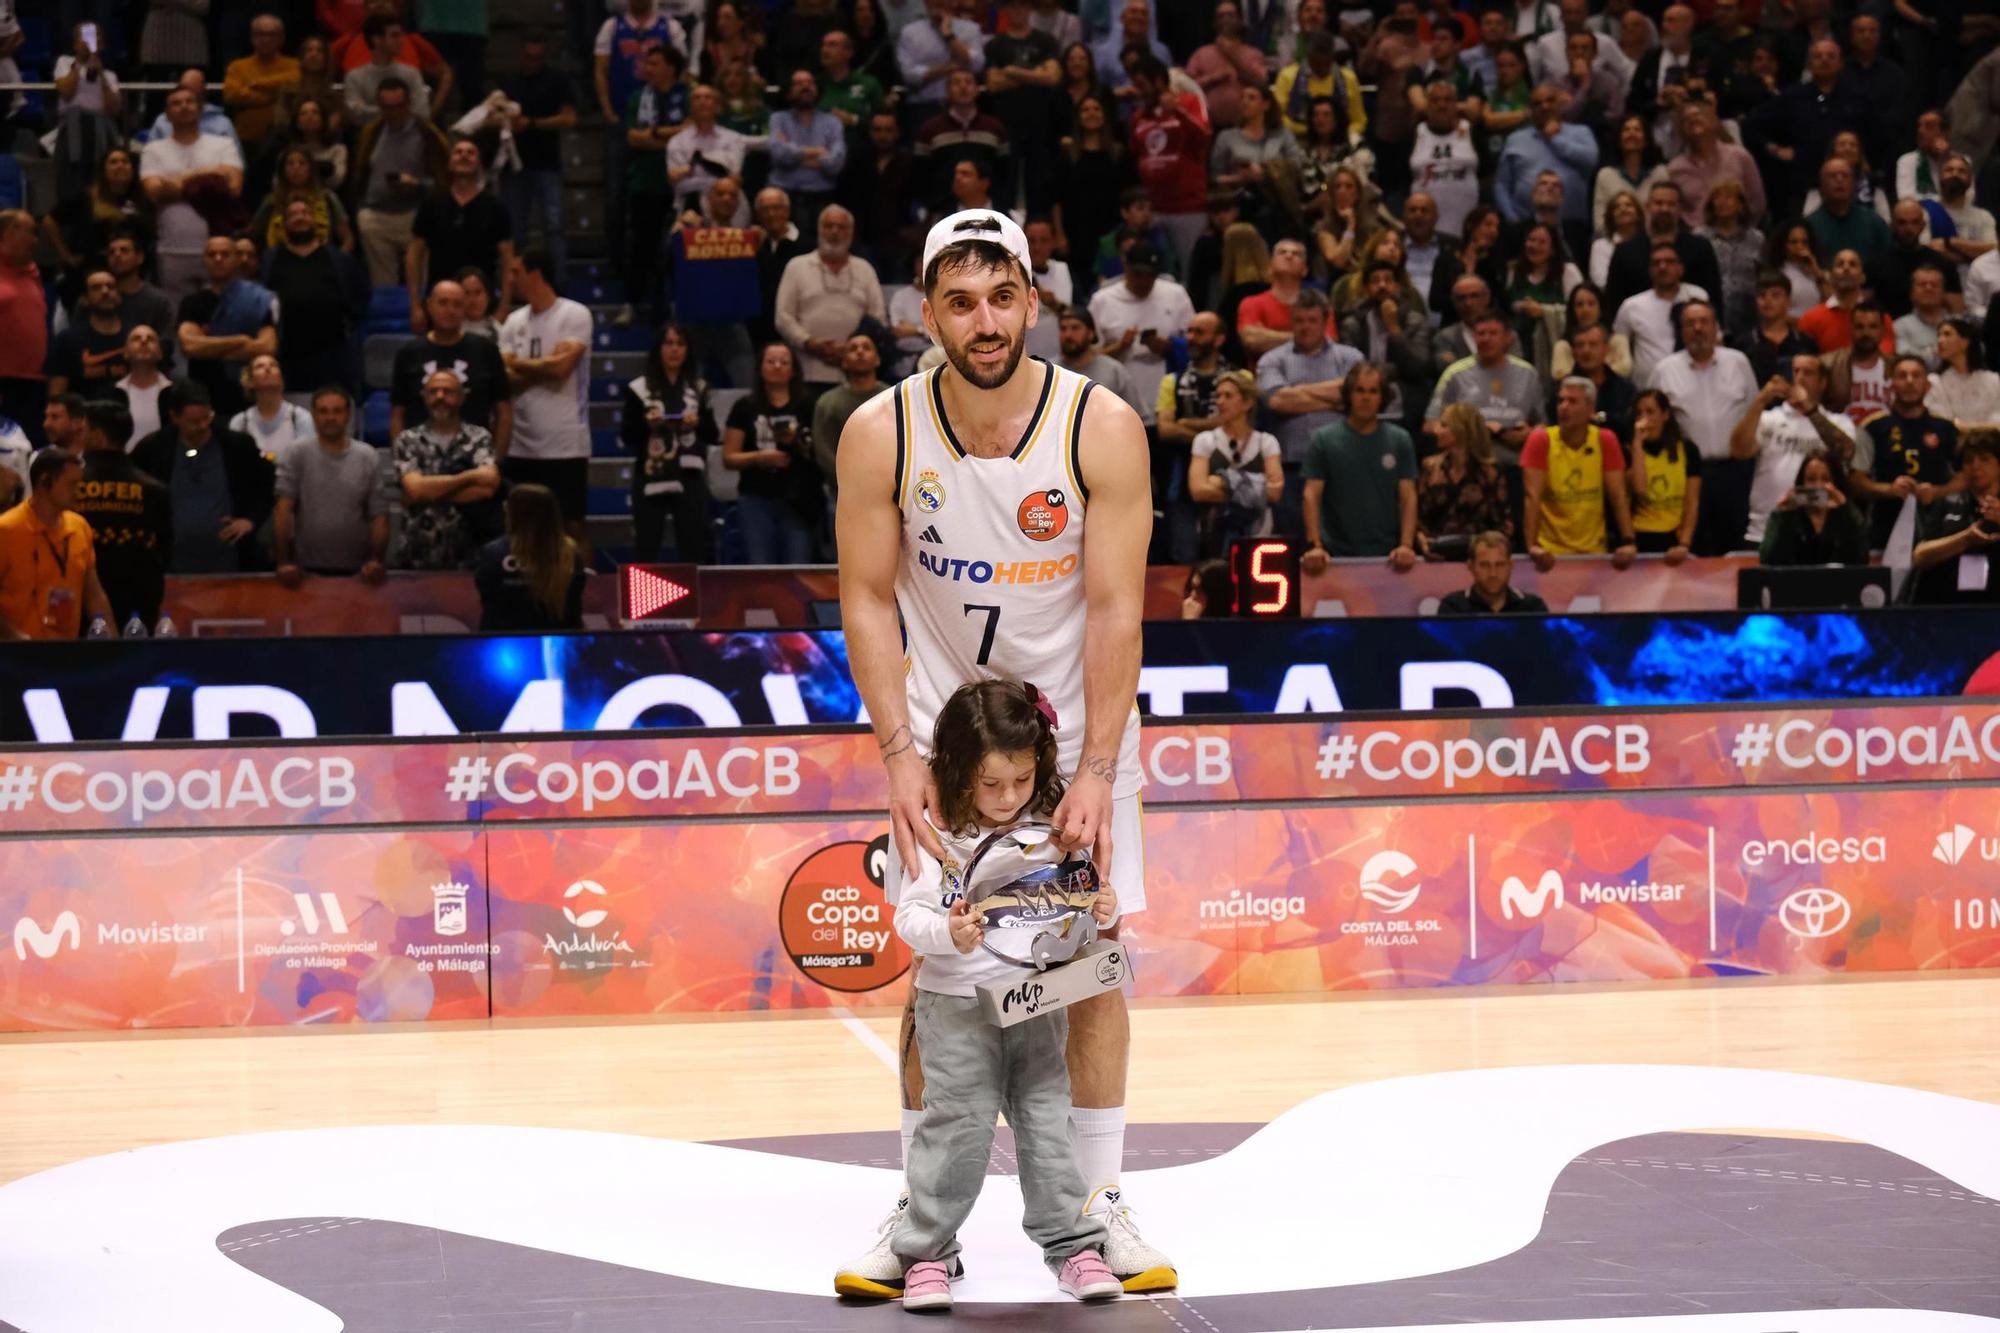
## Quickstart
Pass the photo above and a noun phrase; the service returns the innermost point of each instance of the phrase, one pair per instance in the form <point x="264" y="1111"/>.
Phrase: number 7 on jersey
<point x="992" y="624"/>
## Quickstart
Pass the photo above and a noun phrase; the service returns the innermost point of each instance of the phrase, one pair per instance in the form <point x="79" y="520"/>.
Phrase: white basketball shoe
<point x="878" y="1274"/>
<point x="1138" y="1265"/>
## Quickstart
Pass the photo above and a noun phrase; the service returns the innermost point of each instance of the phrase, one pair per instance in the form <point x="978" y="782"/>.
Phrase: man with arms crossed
<point x="1020" y="492"/>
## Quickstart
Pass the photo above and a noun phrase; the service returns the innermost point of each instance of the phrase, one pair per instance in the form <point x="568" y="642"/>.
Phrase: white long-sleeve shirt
<point x="923" y="909"/>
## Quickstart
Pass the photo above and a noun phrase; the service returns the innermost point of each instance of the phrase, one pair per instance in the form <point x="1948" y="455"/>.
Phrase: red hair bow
<point x="1045" y="708"/>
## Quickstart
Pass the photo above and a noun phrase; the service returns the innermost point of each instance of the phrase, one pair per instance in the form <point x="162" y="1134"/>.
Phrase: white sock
<point x="1100" y="1144"/>
<point x="911" y="1119"/>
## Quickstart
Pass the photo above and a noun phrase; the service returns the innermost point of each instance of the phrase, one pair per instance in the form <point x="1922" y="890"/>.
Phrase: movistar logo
<point x="28" y="934"/>
<point x="1516" y="898"/>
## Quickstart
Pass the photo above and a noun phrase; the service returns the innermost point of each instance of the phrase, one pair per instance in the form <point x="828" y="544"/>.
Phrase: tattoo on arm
<point x="1101" y="768"/>
<point x="899" y="741"/>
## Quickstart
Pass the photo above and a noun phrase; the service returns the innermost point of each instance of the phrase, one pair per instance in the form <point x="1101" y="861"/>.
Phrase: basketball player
<point x="1003" y="508"/>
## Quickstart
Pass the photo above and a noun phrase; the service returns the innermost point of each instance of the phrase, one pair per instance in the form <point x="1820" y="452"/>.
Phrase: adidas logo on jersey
<point x="930" y="535"/>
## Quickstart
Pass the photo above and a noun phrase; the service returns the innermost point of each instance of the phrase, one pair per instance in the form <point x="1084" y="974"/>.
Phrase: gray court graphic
<point x="1665" y="1224"/>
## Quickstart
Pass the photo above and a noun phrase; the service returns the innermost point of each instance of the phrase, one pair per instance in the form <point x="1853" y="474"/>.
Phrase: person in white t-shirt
<point x="1982" y="284"/>
<point x="1786" y="425"/>
<point x="1052" y="279"/>
<point x="1647" y="319"/>
<point x="171" y="168"/>
<point x="545" y="344"/>
<point x="143" y="381"/>
<point x="272" y="424"/>
<point x="1137" y="316"/>
<point x="82" y="82"/>
<point x="1235" y="473"/>
<point x="1444" y="162"/>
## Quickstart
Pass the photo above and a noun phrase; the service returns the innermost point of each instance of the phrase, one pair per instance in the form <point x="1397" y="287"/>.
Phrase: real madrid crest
<point x="930" y="491"/>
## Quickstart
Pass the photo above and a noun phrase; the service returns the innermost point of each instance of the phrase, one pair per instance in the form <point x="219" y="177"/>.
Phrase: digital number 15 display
<point x="1266" y="573"/>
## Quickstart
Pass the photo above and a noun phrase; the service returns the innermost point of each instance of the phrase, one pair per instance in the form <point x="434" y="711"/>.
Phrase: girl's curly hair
<point x="983" y="718"/>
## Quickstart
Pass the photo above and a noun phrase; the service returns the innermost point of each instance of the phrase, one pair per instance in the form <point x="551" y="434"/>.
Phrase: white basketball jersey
<point x="1446" y="167"/>
<point x="991" y="584"/>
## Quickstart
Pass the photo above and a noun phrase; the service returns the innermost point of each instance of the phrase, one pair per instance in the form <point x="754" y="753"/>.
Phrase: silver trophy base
<point x="1102" y="966"/>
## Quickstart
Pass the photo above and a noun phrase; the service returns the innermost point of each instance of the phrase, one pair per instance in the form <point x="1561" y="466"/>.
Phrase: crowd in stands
<point x="1421" y="282"/>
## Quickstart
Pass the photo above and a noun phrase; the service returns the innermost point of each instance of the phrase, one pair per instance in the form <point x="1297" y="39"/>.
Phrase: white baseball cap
<point x="977" y="224"/>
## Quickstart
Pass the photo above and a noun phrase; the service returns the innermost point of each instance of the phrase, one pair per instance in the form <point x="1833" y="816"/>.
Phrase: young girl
<point x="994" y="757"/>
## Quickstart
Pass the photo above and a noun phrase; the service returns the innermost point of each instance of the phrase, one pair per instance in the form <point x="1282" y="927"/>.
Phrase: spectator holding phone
<point x="88" y="107"/>
<point x="768" y="438"/>
<point x="1783" y="426"/>
<point x="1960" y="534"/>
<point x="668" y="427"/>
<point x="1138" y="316"/>
<point x="1816" y="523"/>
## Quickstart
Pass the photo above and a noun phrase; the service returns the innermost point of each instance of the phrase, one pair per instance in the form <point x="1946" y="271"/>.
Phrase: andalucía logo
<point x="835" y="919"/>
<point x="586" y="950"/>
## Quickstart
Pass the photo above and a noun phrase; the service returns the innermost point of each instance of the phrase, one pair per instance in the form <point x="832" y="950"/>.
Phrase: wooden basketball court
<point x="754" y="1076"/>
<point x="1784" y="1105"/>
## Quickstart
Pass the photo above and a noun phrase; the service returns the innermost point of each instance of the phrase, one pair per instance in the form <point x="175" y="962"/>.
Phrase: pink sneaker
<point x="1085" y="1277"/>
<point x="927" y="1286"/>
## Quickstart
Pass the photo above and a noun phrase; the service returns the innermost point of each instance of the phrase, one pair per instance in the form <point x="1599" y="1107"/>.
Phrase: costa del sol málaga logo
<point x="1375" y="874"/>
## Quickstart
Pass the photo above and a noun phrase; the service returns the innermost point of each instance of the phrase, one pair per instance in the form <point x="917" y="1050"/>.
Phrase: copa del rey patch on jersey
<point x="1043" y="515"/>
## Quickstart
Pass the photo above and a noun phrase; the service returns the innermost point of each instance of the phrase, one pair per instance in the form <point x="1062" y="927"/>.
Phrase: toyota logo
<point x="1815" y="913"/>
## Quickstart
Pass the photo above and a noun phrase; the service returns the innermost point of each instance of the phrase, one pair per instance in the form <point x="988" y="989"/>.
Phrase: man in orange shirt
<point x="252" y="86"/>
<point x="48" y="557"/>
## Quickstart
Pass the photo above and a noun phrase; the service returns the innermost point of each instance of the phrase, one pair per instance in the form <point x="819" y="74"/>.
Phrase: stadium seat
<point x="388" y="312"/>
<point x="375" y="419"/>
<point x="638" y="338"/>
<point x="594" y="290"/>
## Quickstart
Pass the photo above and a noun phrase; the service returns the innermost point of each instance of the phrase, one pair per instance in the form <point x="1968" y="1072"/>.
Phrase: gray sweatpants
<point x="972" y="1072"/>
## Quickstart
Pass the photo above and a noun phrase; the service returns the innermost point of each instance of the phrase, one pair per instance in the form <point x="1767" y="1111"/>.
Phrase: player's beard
<point x="961" y="359"/>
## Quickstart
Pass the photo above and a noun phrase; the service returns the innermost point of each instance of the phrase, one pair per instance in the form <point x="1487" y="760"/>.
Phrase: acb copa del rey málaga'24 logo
<point x="836" y="921"/>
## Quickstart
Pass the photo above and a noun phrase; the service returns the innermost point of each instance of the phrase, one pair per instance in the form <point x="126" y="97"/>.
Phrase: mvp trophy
<point x="1033" y="902"/>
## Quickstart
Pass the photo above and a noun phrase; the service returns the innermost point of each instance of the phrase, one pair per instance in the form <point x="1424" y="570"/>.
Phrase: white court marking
<point x="866" y="1036"/>
<point x="1386" y="1180"/>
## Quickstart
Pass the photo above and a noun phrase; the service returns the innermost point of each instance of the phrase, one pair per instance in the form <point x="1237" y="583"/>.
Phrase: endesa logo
<point x="1813" y="850"/>
<point x="1005" y="571"/>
